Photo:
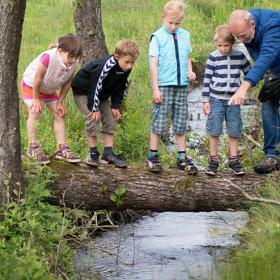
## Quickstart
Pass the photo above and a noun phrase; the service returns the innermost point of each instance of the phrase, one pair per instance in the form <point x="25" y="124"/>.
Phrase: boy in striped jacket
<point x="221" y="80"/>
<point x="99" y="88"/>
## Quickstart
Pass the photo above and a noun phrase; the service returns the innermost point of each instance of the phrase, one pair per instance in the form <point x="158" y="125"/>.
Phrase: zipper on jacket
<point x="177" y="59"/>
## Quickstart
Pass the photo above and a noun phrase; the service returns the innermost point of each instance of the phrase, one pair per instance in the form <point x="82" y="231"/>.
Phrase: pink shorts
<point x="27" y="95"/>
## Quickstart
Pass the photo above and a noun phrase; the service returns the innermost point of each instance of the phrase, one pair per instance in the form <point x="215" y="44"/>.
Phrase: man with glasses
<point x="259" y="30"/>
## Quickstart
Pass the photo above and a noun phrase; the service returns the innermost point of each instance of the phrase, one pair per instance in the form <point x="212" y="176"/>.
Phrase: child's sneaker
<point x="154" y="164"/>
<point x="63" y="152"/>
<point x="236" y="167"/>
<point x="188" y="165"/>
<point x="93" y="159"/>
<point x="212" y="167"/>
<point x="34" y="151"/>
<point x="112" y="158"/>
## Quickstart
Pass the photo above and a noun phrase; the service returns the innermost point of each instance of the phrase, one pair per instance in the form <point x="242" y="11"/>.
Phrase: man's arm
<point x="269" y="51"/>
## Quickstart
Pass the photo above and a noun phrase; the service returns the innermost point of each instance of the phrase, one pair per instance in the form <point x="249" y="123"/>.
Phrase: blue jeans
<point x="220" y="112"/>
<point x="271" y="127"/>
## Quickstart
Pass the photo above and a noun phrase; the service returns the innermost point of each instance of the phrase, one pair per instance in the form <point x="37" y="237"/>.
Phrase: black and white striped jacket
<point x="100" y="79"/>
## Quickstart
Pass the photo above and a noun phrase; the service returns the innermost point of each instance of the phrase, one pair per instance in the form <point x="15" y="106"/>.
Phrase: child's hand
<point x="157" y="96"/>
<point x="36" y="106"/>
<point x="116" y="114"/>
<point x="192" y="76"/>
<point x="61" y="109"/>
<point x="95" y="116"/>
<point x="206" y="108"/>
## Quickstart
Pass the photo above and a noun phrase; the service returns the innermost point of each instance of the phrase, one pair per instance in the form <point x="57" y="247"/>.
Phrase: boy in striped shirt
<point x="221" y="80"/>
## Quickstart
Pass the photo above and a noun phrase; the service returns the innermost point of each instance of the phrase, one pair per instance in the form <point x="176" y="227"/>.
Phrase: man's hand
<point x="157" y="96"/>
<point x="36" y="106"/>
<point x="238" y="98"/>
<point x="95" y="116"/>
<point x="116" y="113"/>
<point x="240" y="95"/>
<point x="206" y="108"/>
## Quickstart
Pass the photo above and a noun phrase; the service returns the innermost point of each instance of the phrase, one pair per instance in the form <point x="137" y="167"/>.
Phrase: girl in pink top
<point x="46" y="81"/>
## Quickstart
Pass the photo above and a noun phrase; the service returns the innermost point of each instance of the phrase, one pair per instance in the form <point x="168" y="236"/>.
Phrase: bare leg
<point x="213" y="145"/>
<point x="154" y="141"/>
<point x="181" y="142"/>
<point x="58" y="124"/>
<point x="32" y="123"/>
<point x="92" y="141"/>
<point x="233" y="146"/>
<point x="108" y="139"/>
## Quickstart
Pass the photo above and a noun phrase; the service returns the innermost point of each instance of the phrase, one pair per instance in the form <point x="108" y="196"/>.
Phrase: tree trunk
<point x="11" y="20"/>
<point x="88" y="23"/>
<point x="172" y="190"/>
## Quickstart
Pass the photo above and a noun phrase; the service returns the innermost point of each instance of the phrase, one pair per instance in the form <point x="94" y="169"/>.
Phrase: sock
<point x="152" y="153"/>
<point x="93" y="150"/>
<point x="181" y="155"/>
<point x="108" y="150"/>
<point x="215" y="158"/>
<point x="231" y="158"/>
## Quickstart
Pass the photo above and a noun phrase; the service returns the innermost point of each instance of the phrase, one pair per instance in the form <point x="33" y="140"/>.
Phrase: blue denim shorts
<point x="220" y="112"/>
<point x="175" y="105"/>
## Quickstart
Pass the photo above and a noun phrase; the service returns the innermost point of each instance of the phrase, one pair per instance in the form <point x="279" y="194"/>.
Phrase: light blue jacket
<point x="173" y="57"/>
<point x="265" y="46"/>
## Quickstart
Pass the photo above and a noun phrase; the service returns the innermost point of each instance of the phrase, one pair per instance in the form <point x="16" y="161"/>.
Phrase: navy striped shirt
<point x="222" y="75"/>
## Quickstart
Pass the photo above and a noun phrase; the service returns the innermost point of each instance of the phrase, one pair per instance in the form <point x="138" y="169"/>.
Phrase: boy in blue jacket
<point x="259" y="30"/>
<point x="170" y="71"/>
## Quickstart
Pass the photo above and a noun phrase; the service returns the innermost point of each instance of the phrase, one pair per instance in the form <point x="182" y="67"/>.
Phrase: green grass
<point x="258" y="257"/>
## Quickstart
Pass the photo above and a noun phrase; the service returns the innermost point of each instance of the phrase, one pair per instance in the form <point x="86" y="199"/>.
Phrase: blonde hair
<point x="222" y="32"/>
<point x="174" y="8"/>
<point x="127" y="47"/>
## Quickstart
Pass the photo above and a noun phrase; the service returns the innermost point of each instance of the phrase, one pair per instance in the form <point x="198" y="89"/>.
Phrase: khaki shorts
<point x="107" y="119"/>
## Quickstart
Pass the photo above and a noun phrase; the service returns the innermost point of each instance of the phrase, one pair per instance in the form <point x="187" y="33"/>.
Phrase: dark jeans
<point x="271" y="127"/>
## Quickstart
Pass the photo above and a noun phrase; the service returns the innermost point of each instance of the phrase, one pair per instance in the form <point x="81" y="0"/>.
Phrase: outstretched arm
<point x="240" y="95"/>
<point x="60" y="108"/>
<point x="37" y="103"/>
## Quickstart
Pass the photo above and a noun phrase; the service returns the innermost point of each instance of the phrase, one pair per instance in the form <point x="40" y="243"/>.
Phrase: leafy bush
<point x="31" y="233"/>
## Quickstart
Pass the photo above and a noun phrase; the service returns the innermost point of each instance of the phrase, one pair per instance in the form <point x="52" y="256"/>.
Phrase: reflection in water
<point x="163" y="247"/>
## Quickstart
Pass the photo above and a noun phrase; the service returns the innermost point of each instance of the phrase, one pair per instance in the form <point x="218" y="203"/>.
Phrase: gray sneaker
<point x="268" y="164"/>
<point x="114" y="159"/>
<point x="236" y="167"/>
<point x="93" y="159"/>
<point x="212" y="167"/>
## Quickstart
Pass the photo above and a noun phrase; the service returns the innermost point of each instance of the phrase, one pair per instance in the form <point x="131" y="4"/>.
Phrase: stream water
<point x="167" y="246"/>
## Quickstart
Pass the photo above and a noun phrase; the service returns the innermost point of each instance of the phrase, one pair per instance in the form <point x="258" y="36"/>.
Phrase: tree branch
<point x="253" y="198"/>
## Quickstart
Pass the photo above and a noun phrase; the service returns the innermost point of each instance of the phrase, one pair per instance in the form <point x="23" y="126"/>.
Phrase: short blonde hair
<point x="174" y="8"/>
<point x="127" y="47"/>
<point x="222" y="32"/>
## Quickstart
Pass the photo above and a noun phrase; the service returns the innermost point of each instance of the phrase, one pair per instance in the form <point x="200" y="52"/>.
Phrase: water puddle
<point x="166" y="246"/>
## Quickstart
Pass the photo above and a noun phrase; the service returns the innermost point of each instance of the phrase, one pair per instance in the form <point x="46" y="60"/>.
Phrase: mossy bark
<point x="172" y="190"/>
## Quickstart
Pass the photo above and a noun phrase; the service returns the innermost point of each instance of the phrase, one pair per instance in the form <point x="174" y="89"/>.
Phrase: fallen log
<point x="173" y="190"/>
